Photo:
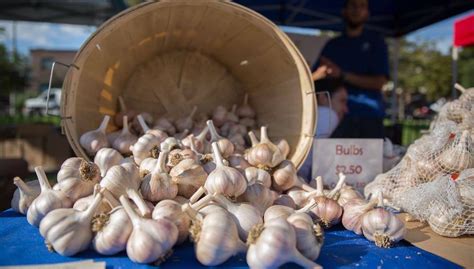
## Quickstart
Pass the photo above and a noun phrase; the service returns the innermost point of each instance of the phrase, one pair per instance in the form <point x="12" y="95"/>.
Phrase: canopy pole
<point x="454" y="70"/>
<point x="396" y="60"/>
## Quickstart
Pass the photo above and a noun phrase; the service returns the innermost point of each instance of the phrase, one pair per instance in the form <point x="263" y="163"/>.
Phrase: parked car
<point x="37" y="105"/>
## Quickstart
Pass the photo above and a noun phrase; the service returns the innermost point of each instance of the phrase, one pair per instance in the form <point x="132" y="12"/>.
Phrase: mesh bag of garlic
<point x="421" y="183"/>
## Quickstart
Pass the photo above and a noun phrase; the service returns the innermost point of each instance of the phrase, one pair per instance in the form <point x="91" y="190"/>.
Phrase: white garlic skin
<point x="69" y="230"/>
<point x="286" y="200"/>
<point x="47" y="200"/>
<point x="106" y="158"/>
<point x="125" y="140"/>
<point x="382" y="227"/>
<point x="141" y="149"/>
<point x="347" y="194"/>
<point x="309" y="236"/>
<point x="218" y="240"/>
<point x="276" y="212"/>
<point x="93" y="141"/>
<point x="119" y="178"/>
<point x="172" y="211"/>
<point x="24" y="195"/>
<point x="284" y="177"/>
<point x="259" y="196"/>
<point x="83" y="203"/>
<point x="113" y="236"/>
<point x="327" y="211"/>
<point x="158" y="185"/>
<point x="165" y="125"/>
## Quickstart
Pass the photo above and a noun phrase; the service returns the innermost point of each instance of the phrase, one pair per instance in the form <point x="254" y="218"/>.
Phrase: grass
<point x="20" y="119"/>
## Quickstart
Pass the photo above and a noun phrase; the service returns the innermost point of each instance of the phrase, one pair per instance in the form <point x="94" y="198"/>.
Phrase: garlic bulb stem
<point x="142" y="123"/>
<point x="459" y="87"/>
<point x="125" y="129"/>
<point x="43" y="180"/>
<point x="195" y="197"/>
<point x="104" y="123"/>
<point x="202" y="135"/>
<point x="141" y="204"/>
<point x="214" y="135"/>
<point x="22" y="186"/>
<point x="193" y="112"/>
<point x="90" y="211"/>
<point x="246" y="99"/>
<point x="192" y="208"/>
<point x="218" y="159"/>
<point x="338" y="187"/>
<point x="319" y="186"/>
<point x="134" y="217"/>
<point x="122" y="105"/>
<point x="310" y="205"/>
<point x="253" y="138"/>
<point x="109" y="198"/>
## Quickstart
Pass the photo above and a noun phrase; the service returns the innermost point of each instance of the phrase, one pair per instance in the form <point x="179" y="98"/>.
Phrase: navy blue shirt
<point x="362" y="55"/>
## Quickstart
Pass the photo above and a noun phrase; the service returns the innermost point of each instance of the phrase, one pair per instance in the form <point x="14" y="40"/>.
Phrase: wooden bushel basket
<point x="165" y="57"/>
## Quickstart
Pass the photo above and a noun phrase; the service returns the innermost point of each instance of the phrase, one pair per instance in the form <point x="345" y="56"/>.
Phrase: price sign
<point x="359" y="159"/>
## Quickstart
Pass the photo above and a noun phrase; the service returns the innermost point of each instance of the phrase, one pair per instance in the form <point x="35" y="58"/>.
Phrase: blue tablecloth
<point x="22" y="244"/>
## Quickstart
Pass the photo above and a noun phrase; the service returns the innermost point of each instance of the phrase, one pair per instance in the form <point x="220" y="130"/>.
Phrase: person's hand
<point x="320" y="73"/>
<point x="333" y="69"/>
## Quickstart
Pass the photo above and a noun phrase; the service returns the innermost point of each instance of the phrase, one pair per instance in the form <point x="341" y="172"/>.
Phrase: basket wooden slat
<point x="165" y="57"/>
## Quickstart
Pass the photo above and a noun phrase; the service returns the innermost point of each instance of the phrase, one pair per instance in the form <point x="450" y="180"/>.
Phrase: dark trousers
<point x="358" y="127"/>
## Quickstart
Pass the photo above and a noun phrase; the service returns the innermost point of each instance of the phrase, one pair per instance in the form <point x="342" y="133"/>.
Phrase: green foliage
<point x="423" y="68"/>
<point x="466" y="67"/>
<point x="13" y="71"/>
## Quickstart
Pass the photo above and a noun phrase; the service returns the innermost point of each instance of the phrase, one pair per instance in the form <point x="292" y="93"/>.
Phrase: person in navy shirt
<point x="360" y="59"/>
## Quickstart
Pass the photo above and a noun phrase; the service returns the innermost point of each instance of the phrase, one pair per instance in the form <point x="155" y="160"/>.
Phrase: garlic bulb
<point x="189" y="176"/>
<point x="346" y="194"/>
<point x="382" y="226"/>
<point x="199" y="141"/>
<point x="165" y="125"/>
<point x="253" y="174"/>
<point x="47" y="200"/>
<point x="245" y="215"/>
<point x="285" y="200"/>
<point x="216" y="238"/>
<point x="24" y="195"/>
<point x="127" y="160"/>
<point x="467" y="94"/>
<point x="170" y="143"/>
<point x="177" y="155"/>
<point x="284" y="177"/>
<point x="225" y="146"/>
<point x="112" y="136"/>
<point x="248" y="122"/>
<point x="126" y="139"/>
<point x="309" y="236"/>
<point x="119" y="178"/>
<point x="150" y="239"/>
<point x="274" y="245"/>
<point x="148" y="164"/>
<point x="112" y="231"/>
<point x="186" y="122"/>
<point x="69" y="230"/>
<point x="146" y="129"/>
<point x="245" y="111"/>
<point x="327" y="211"/>
<point x="300" y="197"/>
<point x="158" y="185"/>
<point x="232" y="115"/>
<point x="224" y="179"/>
<point x="172" y="211"/>
<point x="145" y="208"/>
<point x="238" y="162"/>
<point x="259" y="196"/>
<point x="284" y="147"/>
<point x="96" y="139"/>
<point x="219" y="116"/>
<point x="136" y="126"/>
<point x="106" y="158"/>
<point x="77" y="178"/>
<point x="459" y="155"/>
<point x="145" y="144"/>
<point x="105" y="206"/>
<point x="265" y="154"/>
<point x="353" y="213"/>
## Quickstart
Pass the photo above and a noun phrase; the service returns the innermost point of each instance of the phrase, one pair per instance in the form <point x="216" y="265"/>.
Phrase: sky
<point x="63" y="36"/>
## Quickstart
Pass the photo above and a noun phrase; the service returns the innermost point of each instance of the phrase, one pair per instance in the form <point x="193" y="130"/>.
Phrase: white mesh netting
<point x="434" y="181"/>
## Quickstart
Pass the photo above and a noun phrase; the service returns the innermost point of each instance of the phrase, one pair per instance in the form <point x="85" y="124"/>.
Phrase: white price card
<point x="359" y="159"/>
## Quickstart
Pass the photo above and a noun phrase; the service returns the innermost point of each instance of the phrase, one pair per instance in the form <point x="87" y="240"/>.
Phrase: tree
<point x="466" y="67"/>
<point x="424" y="69"/>
<point x="13" y="70"/>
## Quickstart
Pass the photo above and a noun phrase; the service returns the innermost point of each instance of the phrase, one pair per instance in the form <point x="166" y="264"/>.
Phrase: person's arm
<point x="372" y="82"/>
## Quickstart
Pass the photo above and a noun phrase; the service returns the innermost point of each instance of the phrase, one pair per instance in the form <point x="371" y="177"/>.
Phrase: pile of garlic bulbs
<point x="225" y="197"/>
<point x="417" y="184"/>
